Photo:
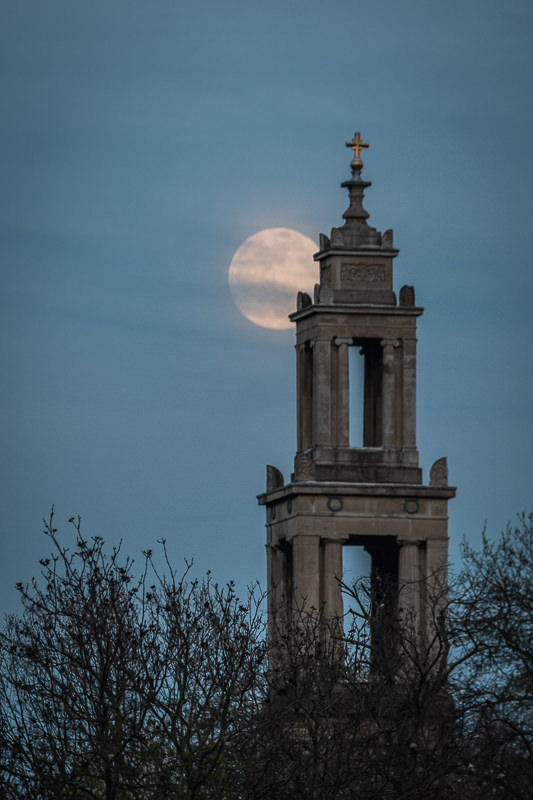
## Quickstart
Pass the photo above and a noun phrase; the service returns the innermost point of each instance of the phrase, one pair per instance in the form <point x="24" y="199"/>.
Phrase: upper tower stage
<point x="354" y="306"/>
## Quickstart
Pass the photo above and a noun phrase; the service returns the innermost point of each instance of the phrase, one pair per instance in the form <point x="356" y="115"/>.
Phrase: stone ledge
<point x="332" y="488"/>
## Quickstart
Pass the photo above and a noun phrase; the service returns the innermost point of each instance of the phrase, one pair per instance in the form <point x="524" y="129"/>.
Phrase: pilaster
<point x="342" y="429"/>
<point x="322" y="392"/>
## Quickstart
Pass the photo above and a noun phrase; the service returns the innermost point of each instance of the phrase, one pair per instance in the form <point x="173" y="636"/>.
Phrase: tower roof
<point x="356" y="234"/>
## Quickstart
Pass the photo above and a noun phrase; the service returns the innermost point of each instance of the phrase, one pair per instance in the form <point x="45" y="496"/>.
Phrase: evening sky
<point x="141" y="143"/>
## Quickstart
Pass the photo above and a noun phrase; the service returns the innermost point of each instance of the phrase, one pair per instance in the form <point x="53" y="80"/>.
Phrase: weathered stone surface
<point x="303" y="301"/>
<point x="304" y="467"/>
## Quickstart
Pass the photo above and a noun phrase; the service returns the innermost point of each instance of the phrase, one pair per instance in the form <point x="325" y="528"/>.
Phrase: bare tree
<point x="347" y="721"/>
<point x="160" y="686"/>
<point x="113" y="688"/>
<point x="211" y="682"/>
<point x="493" y="620"/>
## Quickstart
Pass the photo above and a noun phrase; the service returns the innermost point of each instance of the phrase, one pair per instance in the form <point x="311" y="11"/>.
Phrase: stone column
<point x="331" y="578"/>
<point x="279" y="602"/>
<point x="436" y="592"/>
<point x="437" y="572"/>
<point x="322" y="392"/>
<point x="342" y="432"/>
<point x="389" y="392"/>
<point x="410" y="579"/>
<point x="305" y="395"/>
<point x="277" y="575"/>
<point x="305" y="573"/>
<point x="409" y="393"/>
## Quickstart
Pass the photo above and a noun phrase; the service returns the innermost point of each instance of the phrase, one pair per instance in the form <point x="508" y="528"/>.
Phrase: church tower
<point x="356" y="479"/>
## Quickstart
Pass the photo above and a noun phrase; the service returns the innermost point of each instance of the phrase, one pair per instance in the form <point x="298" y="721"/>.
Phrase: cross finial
<point x="357" y="145"/>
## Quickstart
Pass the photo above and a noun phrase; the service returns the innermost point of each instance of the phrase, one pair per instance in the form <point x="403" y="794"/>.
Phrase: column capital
<point x="410" y="542"/>
<point x="335" y="539"/>
<point x="389" y="342"/>
<point x="339" y="340"/>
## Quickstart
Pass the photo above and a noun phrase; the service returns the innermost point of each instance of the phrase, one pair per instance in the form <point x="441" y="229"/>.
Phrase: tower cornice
<point x="356" y="308"/>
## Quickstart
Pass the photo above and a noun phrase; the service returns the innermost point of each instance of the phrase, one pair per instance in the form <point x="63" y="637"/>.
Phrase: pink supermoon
<point x="266" y="273"/>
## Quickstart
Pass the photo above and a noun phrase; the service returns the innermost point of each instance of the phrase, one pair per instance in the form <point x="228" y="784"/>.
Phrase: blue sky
<point x="140" y="144"/>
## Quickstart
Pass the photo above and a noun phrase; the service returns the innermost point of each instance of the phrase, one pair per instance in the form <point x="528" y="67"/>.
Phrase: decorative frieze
<point x="353" y="275"/>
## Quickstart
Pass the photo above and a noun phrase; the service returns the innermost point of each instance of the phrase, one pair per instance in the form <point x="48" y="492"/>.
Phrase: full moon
<point x="266" y="273"/>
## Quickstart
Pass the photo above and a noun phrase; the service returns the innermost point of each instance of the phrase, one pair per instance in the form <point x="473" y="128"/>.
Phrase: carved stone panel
<point x="355" y="276"/>
<point x="304" y="468"/>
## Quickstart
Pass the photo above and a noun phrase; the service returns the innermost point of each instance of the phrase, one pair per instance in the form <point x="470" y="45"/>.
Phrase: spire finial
<point x="357" y="145"/>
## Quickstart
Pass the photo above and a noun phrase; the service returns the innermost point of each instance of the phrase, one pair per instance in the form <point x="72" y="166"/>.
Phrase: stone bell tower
<point x="371" y="495"/>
